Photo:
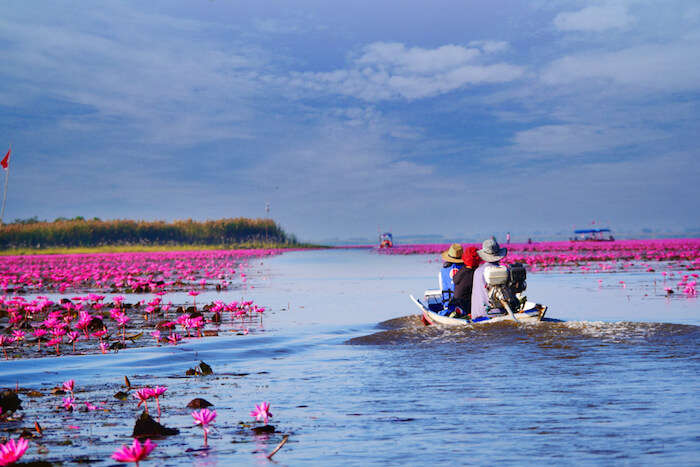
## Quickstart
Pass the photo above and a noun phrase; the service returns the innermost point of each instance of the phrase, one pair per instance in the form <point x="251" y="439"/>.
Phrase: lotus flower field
<point x="87" y="321"/>
<point x="123" y="272"/>
<point x="670" y="258"/>
<point x="57" y="305"/>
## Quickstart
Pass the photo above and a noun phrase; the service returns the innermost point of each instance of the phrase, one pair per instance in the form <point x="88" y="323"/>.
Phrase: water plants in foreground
<point x="87" y="419"/>
<point x="93" y="323"/>
<point x="12" y="451"/>
<point x="261" y="412"/>
<point x="204" y="418"/>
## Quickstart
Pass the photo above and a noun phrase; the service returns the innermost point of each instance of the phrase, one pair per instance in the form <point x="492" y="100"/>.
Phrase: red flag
<point x="5" y="162"/>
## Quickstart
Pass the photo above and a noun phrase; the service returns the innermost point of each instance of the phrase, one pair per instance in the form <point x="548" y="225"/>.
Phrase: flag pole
<point x="4" y="194"/>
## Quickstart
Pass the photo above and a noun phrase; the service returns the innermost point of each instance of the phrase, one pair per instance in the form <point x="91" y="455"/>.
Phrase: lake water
<point x="355" y="378"/>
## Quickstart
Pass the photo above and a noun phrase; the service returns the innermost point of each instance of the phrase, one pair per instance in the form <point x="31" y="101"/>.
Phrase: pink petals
<point x="143" y="395"/>
<point x="204" y="418"/>
<point x="69" y="403"/>
<point x="126" y="272"/>
<point x="69" y="385"/>
<point x="261" y="412"/>
<point x="134" y="453"/>
<point x="548" y="254"/>
<point x="12" y="451"/>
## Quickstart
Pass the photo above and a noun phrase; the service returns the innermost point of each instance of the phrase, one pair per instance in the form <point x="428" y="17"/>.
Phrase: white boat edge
<point x="533" y="314"/>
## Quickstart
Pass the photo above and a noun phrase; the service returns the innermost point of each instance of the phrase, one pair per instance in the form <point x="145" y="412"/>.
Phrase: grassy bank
<point x="96" y="235"/>
<point x="151" y="248"/>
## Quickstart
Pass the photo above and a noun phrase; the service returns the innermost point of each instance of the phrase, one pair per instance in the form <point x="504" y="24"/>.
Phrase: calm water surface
<point x="356" y="379"/>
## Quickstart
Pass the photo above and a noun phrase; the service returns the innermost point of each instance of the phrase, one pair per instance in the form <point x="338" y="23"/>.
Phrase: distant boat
<point x="593" y="235"/>
<point x="386" y="240"/>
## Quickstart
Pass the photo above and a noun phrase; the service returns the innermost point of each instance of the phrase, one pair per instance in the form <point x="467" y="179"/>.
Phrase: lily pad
<point x="10" y="401"/>
<point x="205" y="369"/>
<point x="199" y="403"/>
<point x="258" y="430"/>
<point x="146" y="427"/>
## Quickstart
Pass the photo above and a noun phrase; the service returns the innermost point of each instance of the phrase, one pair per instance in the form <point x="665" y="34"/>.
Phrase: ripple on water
<point x="547" y="334"/>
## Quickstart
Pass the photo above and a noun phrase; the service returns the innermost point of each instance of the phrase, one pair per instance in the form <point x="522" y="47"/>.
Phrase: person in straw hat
<point x="453" y="262"/>
<point x="491" y="253"/>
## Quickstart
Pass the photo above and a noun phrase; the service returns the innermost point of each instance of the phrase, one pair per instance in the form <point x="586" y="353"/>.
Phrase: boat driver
<point x="491" y="253"/>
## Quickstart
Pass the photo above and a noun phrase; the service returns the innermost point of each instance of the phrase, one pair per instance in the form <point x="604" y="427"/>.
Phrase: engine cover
<point x="496" y="275"/>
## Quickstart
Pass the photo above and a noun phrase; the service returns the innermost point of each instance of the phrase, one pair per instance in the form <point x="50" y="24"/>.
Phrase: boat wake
<point x="548" y="333"/>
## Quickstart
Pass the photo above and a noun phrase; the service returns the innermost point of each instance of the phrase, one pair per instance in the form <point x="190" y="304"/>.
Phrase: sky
<point x="453" y="118"/>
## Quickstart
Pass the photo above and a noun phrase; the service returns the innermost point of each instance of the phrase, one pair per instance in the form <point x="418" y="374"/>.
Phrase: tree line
<point x="80" y="232"/>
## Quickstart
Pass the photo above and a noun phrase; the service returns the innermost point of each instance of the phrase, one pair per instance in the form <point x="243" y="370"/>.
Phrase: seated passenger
<point x="463" y="280"/>
<point x="491" y="253"/>
<point x="453" y="263"/>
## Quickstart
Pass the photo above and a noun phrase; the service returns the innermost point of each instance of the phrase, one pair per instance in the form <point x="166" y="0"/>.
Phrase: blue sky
<point x="461" y="118"/>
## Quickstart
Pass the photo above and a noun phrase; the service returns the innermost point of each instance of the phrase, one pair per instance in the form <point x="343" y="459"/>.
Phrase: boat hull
<point x="533" y="313"/>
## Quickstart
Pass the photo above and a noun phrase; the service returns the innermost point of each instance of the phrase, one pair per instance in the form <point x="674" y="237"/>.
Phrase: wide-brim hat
<point x="491" y="251"/>
<point x="453" y="254"/>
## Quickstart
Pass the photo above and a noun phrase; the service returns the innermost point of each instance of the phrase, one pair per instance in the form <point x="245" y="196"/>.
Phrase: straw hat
<point x="453" y="254"/>
<point x="491" y="251"/>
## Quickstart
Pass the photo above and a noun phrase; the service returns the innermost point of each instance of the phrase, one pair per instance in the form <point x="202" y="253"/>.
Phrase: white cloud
<point x="573" y="139"/>
<point x="340" y="178"/>
<point x="664" y="67"/>
<point x="594" y="18"/>
<point x="392" y="70"/>
<point x="490" y="46"/>
<point x="396" y="56"/>
<point x="118" y="74"/>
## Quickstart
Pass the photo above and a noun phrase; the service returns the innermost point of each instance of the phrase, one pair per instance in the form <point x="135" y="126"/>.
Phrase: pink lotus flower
<point x="5" y="340"/>
<point x="156" y="335"/>
<point x="203" y="418"/>
<point x="122" y="319"/>
<point x="56" y="341"/>
<point x="73" y="337"/>
<point x="91" y="406"/>
<point x="99" y="334"/>
<point x="69" y="403"/>
<point x="134" y="453"/>
<point x="69" y="385"/>
<point x="157" y="392"/>
<point x="261" y="412"/>
<point x="174" y="338"/>
<point x="143" y="395"/>
<point x="18" y="335"/>
<point x="11" y="451"/>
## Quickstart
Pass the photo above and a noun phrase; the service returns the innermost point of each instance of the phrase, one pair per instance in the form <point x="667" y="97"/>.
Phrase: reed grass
<point x="153" y="248"/>
<point x="95" y="235"/>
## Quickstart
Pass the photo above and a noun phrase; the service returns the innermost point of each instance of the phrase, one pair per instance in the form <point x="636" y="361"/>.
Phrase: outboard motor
<point x="504" y="284"/>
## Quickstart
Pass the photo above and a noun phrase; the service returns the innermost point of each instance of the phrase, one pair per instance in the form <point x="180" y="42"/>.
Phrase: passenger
<point x="453" y="263"/>
<point x="491" y="253"/>
<point x="463" y="280"/>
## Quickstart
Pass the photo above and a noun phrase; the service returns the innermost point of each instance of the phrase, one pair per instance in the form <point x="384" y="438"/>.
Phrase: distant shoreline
<point x="154" y="248"/>
<point x="32" y="236"/>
